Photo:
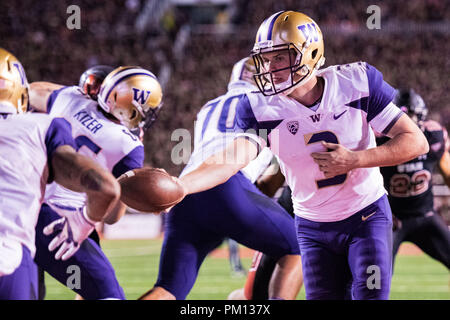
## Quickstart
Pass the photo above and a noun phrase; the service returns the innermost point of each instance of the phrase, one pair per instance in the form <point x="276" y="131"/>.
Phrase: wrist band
<point x="86" y="217"/>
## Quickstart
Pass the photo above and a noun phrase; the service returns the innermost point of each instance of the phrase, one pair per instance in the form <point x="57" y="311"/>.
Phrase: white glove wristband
<point x="88" y="220"/>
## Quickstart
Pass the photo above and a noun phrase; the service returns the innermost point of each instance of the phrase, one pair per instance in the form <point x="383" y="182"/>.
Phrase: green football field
<point x="136" y="265"/>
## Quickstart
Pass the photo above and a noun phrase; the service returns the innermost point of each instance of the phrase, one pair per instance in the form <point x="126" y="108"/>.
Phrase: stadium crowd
<point x="49" y="50"/>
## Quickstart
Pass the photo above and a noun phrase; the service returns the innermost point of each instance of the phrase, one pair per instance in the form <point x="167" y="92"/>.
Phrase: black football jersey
<point x="409" y="184"/>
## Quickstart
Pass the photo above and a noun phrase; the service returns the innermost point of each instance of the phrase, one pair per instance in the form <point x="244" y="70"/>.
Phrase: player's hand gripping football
<point x="73" y="228"/>
<point x="185" y="191"/>
<point x="337" y="160"/>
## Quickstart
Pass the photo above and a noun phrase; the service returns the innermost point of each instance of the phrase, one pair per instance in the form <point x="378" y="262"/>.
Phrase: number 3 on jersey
<point x="330" y="137"/>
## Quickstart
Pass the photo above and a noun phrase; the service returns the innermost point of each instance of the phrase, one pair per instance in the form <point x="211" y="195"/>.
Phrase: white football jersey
<point x="214" y="129"/>
<point x="27" y="142"/>
<point x="110" y="144"/>
<point x="355" y="100"/>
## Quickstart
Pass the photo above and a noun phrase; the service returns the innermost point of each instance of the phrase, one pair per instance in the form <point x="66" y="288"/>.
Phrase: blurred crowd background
<point x="191" y="45"/>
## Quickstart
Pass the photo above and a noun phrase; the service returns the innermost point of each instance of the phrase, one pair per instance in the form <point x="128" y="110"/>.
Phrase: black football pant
<point x="430" y="233"/>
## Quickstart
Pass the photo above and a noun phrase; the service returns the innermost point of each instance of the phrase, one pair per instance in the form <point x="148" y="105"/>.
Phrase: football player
<point x="235" y="209"/>
<point x="409" y="185"/>
<point x="37" y="149"/>
<point x="129" y="97"/>
<point x="319" y="123"/>
<point x="90" y="82"/>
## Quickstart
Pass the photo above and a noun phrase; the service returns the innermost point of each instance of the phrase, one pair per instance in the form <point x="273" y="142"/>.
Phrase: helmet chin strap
<point x="300" y="83"/>
<point x="319" y="64"/>
<point x="139" y="108"/>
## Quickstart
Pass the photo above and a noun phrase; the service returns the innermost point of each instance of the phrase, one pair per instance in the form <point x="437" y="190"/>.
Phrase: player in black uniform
<point x="410" y="187"/>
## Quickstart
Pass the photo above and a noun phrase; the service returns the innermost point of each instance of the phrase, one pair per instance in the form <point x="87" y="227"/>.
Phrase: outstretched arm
<point x="39" y="93"/>
<point x="221" y="166"/>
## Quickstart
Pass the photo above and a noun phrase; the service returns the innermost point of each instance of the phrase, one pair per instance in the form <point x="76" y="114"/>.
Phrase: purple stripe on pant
<point x="356" y="250"/>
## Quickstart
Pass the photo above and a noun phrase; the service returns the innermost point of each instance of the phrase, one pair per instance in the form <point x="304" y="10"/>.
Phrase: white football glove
<point x="73" y="228"/>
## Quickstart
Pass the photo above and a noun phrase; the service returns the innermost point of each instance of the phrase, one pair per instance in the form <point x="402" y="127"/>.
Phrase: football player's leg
<point x="22" y="283"/>
<point x="258" y="222"/>
<point x="41" y="284"/>
<point x="326" y="273"/>
<point x="89" y="272"/>
<point x="399" y="235"/>
<point x="433" y="237"/>
<point x="257" y="284"/>
<point x="185" y="246"/>
<point x="370" y="252"/>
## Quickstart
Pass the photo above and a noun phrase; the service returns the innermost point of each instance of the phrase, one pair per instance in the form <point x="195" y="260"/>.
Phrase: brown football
<point x="150" y="190"/>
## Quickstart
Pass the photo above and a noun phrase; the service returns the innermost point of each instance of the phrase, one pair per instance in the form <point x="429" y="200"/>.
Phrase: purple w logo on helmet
<point x="140" y="96"/>
<point x="309" y="30"/>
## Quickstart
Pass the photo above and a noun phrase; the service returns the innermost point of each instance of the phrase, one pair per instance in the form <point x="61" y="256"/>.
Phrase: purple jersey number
<point x="330" y="137"/>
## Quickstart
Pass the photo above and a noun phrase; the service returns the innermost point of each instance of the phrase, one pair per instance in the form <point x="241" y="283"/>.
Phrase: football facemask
<point x="288" y="51"/>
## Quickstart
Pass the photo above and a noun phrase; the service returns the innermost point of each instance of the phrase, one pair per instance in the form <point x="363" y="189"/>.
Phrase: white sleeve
<point x="385" y="120"/>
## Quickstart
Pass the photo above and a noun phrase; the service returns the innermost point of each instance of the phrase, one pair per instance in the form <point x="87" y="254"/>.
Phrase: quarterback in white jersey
<point x="129" y="97"/>
<point x="354" y="96"/>
<point x="319" y="124"/>
<point x="37" y="149"/>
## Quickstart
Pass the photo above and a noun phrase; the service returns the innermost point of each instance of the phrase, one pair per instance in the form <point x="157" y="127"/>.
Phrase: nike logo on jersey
<point x="364" y="218"/>
<point x="335" y="117"/>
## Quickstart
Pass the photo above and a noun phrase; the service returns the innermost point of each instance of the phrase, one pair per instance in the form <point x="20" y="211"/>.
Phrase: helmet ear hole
<point x="133" y="114"/>
<point x="314" y="53"/>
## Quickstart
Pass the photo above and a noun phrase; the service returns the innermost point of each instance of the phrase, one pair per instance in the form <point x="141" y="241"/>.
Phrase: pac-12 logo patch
<point x="292" y="126"/>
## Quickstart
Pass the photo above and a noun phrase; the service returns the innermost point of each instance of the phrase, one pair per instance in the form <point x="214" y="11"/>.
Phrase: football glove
<point x="72" y="229"/>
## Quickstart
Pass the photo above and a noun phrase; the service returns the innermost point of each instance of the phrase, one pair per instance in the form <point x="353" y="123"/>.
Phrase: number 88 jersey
<point x="109" y="144"/>
<point x="409" y="185"/>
